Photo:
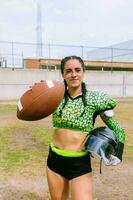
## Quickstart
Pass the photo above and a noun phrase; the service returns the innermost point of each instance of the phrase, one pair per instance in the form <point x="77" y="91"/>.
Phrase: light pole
<point x="39" y="43"/>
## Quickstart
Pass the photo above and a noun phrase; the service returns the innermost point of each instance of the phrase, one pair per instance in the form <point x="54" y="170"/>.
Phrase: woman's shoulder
<point x="99" y="97"/>
<point x="95" y="94"/>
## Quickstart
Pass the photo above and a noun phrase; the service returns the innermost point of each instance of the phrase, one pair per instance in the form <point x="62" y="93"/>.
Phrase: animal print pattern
<point x="118" y="130"/>
<point x="77" y="117"/>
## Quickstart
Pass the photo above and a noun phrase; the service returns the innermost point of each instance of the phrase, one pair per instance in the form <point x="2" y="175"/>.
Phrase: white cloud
<point x="88" y="22"/>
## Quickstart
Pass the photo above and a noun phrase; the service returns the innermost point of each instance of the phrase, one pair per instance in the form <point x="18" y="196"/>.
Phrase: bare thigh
<point x="58" y="185"/>
<point x="82" y="187"/>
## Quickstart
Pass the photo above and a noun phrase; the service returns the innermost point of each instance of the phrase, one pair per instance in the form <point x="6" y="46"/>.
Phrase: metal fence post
<point x="124" y="86"/>
<point x="82" y="52"/>
<point x="12" y="46"/>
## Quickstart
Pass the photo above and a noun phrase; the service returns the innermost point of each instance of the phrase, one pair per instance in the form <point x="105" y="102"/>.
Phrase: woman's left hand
<point x="112" y="160"/>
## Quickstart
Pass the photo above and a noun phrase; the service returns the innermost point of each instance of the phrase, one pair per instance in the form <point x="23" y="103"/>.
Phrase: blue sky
<point x="76" y="22"/>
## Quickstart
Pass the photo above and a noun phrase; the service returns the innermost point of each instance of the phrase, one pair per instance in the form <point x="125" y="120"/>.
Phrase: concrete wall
<point x="13" y="83"/>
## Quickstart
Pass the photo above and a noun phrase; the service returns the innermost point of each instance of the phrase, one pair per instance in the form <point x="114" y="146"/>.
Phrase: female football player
<point x="69" y="170"/>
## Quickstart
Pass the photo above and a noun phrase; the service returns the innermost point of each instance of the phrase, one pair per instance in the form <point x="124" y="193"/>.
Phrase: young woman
<point x="69" y="165"/>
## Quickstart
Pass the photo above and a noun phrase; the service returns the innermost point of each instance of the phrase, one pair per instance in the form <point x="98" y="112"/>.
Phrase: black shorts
<point x="69" y="167"/>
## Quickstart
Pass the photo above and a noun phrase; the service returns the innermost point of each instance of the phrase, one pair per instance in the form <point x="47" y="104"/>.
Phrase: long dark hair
<point x="63" y="62"/>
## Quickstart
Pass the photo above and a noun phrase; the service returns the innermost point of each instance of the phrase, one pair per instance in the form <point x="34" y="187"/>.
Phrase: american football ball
<point x="40" y="100"/>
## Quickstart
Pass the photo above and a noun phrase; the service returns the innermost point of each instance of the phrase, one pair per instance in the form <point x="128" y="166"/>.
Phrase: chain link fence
<point x="12" y="54"/>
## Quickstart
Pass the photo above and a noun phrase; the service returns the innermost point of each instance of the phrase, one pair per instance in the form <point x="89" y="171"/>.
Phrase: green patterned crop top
<point x="77" y="117"/>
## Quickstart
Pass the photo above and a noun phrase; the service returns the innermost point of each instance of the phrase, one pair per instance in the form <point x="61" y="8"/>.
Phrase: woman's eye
<point x="78" y="70"/>
<point x="68" y="71"/>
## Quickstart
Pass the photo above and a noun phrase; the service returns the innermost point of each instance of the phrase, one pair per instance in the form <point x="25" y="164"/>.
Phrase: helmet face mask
<point x="103" y="140"/>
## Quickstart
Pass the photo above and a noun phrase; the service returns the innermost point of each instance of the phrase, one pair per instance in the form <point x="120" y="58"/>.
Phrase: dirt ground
<point x="115" y="183"/>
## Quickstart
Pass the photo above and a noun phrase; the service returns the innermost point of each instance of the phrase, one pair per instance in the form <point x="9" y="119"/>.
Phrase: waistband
<point x="67" y="153"/>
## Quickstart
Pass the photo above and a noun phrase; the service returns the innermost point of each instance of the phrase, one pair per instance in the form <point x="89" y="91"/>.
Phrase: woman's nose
<point x="73" y="74"/>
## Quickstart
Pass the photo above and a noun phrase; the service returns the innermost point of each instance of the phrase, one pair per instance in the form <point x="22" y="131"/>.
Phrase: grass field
<point x="23" y="153"/>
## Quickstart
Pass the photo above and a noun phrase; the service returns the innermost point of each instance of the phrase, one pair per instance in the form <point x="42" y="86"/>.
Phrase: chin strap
<point x="101" y="166"/>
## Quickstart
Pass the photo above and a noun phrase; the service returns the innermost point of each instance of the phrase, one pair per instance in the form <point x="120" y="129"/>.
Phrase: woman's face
<point x="73" y="73"/>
